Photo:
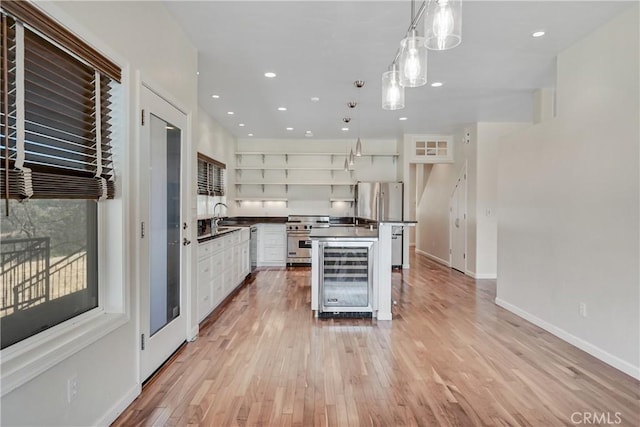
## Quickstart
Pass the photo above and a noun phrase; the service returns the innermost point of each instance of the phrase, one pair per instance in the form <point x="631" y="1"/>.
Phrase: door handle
<point x="186" y="242"/>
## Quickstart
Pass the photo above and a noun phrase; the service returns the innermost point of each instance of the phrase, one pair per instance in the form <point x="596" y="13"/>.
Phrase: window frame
<point x="35" y="355"/>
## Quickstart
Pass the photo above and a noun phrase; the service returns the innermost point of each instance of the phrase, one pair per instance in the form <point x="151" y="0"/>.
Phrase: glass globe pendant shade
<point x="443" y="24"/>
<point x="358" y="148"/>
<point x="413" y="61"/>
<point x="392" y="91"/>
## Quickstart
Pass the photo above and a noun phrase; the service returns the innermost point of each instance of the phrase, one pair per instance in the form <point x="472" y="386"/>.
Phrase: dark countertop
<point x="343" y="233"/>
<point x="246" y="221"/>
<point x="222" y="231"/>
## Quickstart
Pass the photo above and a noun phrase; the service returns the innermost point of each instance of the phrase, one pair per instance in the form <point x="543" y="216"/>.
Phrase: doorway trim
<point x="462" y="177"/>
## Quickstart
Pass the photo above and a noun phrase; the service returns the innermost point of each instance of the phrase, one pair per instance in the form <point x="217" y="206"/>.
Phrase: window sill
<point x="25" y="360"/>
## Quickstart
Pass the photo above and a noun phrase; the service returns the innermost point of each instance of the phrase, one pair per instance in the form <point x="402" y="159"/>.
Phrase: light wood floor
<point x="450" y="357"/>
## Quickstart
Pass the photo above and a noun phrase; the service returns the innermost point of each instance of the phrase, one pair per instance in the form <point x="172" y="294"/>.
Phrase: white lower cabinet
<point x="272" y="245"/>
<point x="223" y="263"/>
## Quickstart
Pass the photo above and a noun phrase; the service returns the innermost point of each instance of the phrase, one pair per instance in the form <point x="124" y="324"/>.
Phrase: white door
<point x="163" y="179"/>
<point x="458" y="224"/>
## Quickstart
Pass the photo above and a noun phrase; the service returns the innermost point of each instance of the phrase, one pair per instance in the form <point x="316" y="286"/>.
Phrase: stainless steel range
<point x="298" y="242"/>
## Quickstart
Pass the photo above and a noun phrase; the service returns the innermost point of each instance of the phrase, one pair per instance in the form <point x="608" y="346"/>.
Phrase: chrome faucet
<point x="216" y="218"/>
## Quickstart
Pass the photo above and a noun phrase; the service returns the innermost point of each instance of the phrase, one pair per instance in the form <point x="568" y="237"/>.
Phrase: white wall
<point x="107" y="370"/>
<point x="568" y="194"/>
<point x="309" y="199"/>
<point x="486" y="215"/>
<point x="218" y="143"/>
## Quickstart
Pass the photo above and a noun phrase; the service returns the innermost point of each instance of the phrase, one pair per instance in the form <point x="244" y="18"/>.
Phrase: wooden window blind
<point x="56" y="120"/>
<point x="211" y="176"/>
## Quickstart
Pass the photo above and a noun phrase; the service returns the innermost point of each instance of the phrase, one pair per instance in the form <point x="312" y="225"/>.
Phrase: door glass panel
<point x="164" y="236"/>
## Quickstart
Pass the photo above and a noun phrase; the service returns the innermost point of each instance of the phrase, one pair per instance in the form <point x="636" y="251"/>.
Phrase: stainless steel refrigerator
<point x="383" y="201"/>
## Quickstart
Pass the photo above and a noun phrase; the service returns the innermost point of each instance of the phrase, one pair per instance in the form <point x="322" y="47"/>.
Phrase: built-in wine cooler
<point x="346" y="270"/>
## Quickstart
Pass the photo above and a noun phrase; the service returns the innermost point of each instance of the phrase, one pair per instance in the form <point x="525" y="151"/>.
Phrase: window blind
<point x="56" y="116"/>
<point x="211" y="176"/>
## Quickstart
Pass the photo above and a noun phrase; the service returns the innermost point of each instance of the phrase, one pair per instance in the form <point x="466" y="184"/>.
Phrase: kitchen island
<point x="343" y="272"/>
<point x="355" y="254"/>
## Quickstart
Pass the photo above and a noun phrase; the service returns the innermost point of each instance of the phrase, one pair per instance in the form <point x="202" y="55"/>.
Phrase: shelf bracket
<point x="286" y="158"/>
<point x="286" y="173"/>
<point x="262" y="170"/>
<point x="263" y="159"/>
<point x="262" y="188"/>
<point x="286" y="188"/>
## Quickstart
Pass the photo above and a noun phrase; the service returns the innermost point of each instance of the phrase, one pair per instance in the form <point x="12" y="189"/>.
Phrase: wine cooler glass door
<point x="346" y="277"/>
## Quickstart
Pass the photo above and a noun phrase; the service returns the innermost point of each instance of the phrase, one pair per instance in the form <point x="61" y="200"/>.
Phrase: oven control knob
<point x="296" y="227"/>
<point x="310" y="227"/>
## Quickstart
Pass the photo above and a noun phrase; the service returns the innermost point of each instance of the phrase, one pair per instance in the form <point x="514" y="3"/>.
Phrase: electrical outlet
<point x="72" y="388"/>
<point x="583" y="309"/>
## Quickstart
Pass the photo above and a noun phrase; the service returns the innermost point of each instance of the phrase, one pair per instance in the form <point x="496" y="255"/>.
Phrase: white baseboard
<point x="193" y="334"/>
<point x="480" y="276"/>
<point x="117" y="409"/>
<point x="583" y="345"/>
<point x="432" y="257"/>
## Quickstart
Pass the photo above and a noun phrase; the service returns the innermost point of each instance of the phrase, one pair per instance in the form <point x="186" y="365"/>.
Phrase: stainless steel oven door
<point x="299" y="247"/>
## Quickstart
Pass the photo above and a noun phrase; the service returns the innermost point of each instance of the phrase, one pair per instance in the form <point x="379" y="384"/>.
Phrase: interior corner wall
<point x="144" y="38"/>
<point x="486" y="178"/>
<point x="568" y="191"/>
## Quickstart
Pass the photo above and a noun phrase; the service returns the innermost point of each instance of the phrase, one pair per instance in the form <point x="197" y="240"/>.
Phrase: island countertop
<point x="343" y="233"/>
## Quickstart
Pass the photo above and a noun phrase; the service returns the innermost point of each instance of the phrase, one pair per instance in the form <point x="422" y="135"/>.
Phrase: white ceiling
<point x="319" y="48"/>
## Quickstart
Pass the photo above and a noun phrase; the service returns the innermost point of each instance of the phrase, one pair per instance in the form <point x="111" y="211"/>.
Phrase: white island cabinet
<point x="223" y="264"/>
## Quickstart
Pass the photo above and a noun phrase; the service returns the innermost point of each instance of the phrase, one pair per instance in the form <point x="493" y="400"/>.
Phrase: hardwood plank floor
<point x="450" y="357"/>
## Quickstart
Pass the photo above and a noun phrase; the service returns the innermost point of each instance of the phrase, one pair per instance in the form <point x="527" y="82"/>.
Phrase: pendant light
<point x="413" y="56"/>
<point x="346" y="164"/>
<point x="358" y="84"/>
<point x="443" y="24"/>
<point x="392" y="91"/>
<point x="351" y="158"/>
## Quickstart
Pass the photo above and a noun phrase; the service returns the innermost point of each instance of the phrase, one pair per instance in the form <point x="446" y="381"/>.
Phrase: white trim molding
<point x="433" y="257"/>
<point x="116" y="410"/>
<point x="583" y="345"/>
<point x="481" y="276"/>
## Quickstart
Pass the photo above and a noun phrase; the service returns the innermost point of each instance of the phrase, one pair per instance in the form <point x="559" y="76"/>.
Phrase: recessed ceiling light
<point x="241" y="125"/>
<point x="231" y="113"/>
<point x="249" y="134"/>
<point x="197" y="73"/>
<point x="269" y="75"/>
<point x="282" y="108"/>
<point x="436" y="84"/>
<point x="537" y="34"/>
<point x="289" y="128"/>
<point x="345" y="129"/>
<point x="215" y="96"/>
<point x="402" y="119"/>
<point x="315" y="99"/>
<point x="308" y="133"/>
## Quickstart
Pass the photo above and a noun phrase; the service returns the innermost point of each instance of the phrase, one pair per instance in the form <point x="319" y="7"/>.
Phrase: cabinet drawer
<point x="217" y="244"/>
<point x="204" y="250"/>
